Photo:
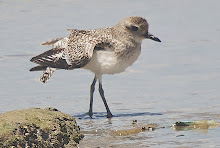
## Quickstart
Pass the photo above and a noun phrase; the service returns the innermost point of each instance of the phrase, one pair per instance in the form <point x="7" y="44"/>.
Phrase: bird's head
<point x="136" y="28"/>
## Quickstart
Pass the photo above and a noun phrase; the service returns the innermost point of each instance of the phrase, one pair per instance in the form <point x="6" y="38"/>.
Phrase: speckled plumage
<point x="103" y="51"/>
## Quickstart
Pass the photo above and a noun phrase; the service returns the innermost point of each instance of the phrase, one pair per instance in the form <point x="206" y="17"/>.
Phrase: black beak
<point x="152" y="37"/>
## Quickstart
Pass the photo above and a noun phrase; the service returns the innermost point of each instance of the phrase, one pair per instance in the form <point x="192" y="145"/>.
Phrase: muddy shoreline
<point x="49" y="127"/>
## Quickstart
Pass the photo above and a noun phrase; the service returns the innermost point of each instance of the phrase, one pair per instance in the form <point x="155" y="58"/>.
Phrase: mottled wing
<point x="51" y="58"/>
<point x="80" y="47"/>
<point x="71" y="52"/>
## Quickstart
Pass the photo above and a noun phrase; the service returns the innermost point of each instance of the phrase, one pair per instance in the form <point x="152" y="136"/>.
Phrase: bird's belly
<point x="108" y="62"/>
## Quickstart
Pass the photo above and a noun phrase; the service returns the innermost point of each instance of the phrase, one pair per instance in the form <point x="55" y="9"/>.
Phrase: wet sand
<point x="121" y="132"/>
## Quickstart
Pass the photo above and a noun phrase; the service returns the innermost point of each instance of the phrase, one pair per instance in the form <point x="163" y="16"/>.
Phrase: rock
<point x="37" y="127"/>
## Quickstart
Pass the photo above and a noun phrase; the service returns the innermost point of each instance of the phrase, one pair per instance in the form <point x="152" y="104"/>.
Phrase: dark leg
<point x="109" y="114"/>
<point x="92" y="89"/>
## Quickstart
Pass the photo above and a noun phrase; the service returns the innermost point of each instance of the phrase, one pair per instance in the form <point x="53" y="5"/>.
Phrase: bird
<point x="107" y="50"/>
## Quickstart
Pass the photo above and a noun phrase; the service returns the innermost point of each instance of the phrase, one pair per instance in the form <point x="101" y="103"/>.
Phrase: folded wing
<point x="71" y="52"/>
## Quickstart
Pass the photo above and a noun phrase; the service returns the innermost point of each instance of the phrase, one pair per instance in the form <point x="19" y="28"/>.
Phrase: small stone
<point x="134" y="122"/>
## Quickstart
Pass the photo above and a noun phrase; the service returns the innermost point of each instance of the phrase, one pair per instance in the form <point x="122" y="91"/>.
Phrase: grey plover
<point x="103" y="51"/>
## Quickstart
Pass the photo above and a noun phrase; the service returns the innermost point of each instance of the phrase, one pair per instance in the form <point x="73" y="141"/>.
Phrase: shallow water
<point x="177" y="79"/>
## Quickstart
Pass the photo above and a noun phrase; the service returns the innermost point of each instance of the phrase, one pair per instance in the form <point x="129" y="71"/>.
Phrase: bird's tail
<point x="38" y="68"/>
<point x="47" y="74"/>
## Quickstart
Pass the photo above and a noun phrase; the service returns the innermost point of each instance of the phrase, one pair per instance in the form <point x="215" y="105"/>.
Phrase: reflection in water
<point x="103" y="115"/>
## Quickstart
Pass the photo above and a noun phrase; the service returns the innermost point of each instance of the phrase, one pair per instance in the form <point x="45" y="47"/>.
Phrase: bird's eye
<point x="134" y="28"/>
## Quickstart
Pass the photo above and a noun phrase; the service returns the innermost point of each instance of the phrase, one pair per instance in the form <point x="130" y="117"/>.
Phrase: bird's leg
<point x="109" y="114"/>
<point x="92" y="89"/>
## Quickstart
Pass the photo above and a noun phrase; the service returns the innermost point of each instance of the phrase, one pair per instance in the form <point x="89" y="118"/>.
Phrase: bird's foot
<point x="90" y="113"/>
<point x="109" y="115"/>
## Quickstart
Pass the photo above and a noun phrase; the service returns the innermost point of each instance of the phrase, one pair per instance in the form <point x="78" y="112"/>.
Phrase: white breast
<point x="108" y="62"/>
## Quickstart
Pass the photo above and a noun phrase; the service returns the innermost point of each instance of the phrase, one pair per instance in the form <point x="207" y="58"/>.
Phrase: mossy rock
<point x="37" y="127"/>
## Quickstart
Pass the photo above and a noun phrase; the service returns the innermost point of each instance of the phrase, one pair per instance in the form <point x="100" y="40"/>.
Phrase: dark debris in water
<point x="180" y="135"/>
